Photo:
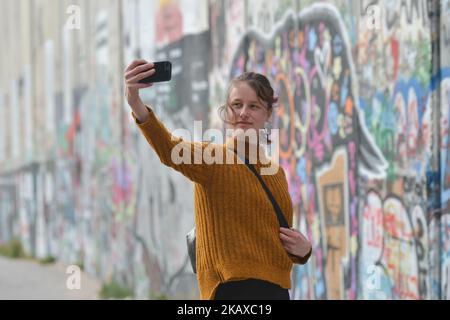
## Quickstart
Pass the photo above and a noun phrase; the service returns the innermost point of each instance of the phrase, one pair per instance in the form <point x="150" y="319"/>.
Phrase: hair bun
<point x="275" y="99"/>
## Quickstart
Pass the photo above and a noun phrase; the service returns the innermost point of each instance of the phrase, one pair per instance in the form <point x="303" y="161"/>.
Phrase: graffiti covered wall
<point x="364" y="130"/>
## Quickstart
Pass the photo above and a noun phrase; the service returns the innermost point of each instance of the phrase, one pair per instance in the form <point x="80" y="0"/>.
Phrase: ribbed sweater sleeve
<point x="295" y="259"/>
<point x="170" y="149"/>
<point x="300" y="260"/>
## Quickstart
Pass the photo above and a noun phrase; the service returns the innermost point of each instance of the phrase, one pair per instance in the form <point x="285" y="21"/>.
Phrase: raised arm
<point x="169" y="148"/>
<point x="136" y="71"/>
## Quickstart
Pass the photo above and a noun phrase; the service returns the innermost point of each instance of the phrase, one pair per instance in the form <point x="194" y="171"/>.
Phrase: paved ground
<point x="27" y="279"/>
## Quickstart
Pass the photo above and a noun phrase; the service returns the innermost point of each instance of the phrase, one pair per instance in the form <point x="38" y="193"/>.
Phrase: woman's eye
<point x="254" y="106"/>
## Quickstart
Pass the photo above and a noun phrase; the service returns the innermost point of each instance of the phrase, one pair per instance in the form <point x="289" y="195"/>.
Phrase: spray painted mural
<point x="364" y="131"/>
<point x="355" y="117"/>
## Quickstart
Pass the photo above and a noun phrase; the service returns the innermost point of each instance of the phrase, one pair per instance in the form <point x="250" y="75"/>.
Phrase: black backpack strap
<point x="281" y="219"/>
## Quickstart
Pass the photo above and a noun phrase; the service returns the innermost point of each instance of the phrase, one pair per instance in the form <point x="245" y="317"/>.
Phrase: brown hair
<point x="257" y="82"/>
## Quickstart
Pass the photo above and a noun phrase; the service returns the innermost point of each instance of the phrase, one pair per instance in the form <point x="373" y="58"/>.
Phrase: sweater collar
<point x="252" y="149"/>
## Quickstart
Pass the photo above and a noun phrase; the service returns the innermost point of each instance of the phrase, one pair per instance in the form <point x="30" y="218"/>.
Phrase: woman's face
<point x="249" y="111"/>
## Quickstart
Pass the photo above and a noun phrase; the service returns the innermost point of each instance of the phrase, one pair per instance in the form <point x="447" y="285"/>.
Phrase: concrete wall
<point x="364" y="113"/>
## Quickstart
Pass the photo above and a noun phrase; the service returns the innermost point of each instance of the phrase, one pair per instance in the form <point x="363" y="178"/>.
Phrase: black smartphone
<point x="163" y="72"/>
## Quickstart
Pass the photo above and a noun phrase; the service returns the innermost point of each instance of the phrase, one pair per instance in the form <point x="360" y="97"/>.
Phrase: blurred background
<point x="364" y="125"/>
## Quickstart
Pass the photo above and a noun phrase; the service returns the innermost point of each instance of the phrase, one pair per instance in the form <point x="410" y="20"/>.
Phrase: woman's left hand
<point x="295" y="242"/>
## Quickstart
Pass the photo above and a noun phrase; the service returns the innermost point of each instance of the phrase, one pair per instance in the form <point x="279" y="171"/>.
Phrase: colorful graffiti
<point x="336" y="143"/>
<point x="308" y="57"/>
<point x="364" y="119"/>
<point x="395" y="243"/>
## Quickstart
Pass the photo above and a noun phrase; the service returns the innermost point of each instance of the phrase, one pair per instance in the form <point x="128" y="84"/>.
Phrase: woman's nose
<point x="244" y="112"/>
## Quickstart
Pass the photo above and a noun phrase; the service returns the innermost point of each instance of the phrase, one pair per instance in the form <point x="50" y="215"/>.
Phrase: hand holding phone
<point x="163" y="72"/>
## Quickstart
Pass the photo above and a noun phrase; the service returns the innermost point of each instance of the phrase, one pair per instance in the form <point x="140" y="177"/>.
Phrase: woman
<point x="242" y="253"/>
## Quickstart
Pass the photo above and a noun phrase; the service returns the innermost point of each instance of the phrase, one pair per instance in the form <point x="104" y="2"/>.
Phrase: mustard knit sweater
<point x="236" y="226"/>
